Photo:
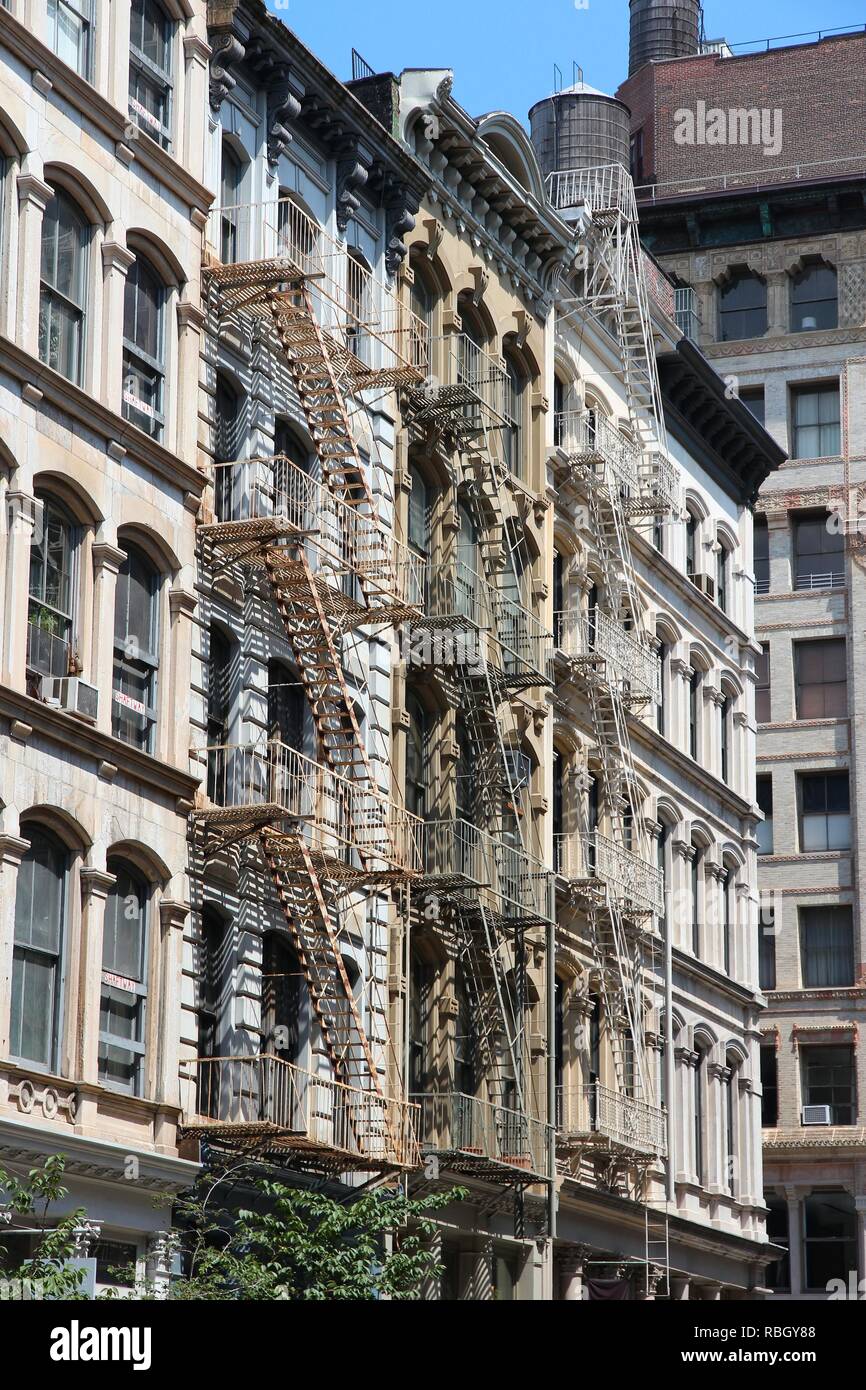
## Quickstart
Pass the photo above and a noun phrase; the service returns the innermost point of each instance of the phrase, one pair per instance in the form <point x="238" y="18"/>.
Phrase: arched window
<point x="210" y="976"/>
<point x="662" y="864"/>
<point x="422" y="302"/>
<point x="50" y="624"/>
<point x="417" y="740"/>
<point x="465" y="1035"/>
<point x="63" y="287"/>
<point x="814" y="298"/>
<point x="231" y="182"/>
<point x="723" y="566"/>
<point x="419" y="512"/>
<point x="701" y="1118"/>
<point x="136" y="650"/>
<point x="284" y="999"/>
<point x="288" y="445"/>
<point x="219" y="679"/>
<point x="695" y="693"/>
<point x="144" y="348"/>
<point x="420" y="1018"/>
<point x="692" y="524"/>
<point x="697" y="873"/>
<point x="727" y="890"/>
<point x="359" y="304"/>
<point x="124" y="981"/>
<point x="742" y="306"/>
<point x="664" y="679"/>
<point x="726" y="739"/>
<point x="70" y="33"/>
<point x="467" y="779"/>
<point x="731" y="1089"/>
<point x="150" y="36"/>
<point x="226" y="447"/>
<point x="286" y="706"/>
<point x="38" y="950"/>
<point x="512" y="436"/>
<point x="468" y="563"/>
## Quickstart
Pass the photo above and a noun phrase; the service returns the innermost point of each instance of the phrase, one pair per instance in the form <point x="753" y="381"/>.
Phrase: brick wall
<point x="819" y="89"/>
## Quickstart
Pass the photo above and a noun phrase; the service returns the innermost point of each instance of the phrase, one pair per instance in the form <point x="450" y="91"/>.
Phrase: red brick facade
<point x="820" y="89"/>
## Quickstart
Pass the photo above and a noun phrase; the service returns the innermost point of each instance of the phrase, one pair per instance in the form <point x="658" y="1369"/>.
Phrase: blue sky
<point x="503" y="51"/>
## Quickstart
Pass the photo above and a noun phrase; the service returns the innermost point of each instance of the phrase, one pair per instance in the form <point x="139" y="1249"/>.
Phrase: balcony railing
<point x="277" y="244"/>
<point x="603" y="188"/>
<point x="629" y="664"/>
<point x="264" y="1100"/>
<point x="630" y="882"/>
<point x="473" y="390"/>
<point x="346" y="823"/>
<point x="626" y="1122"/>
<point x="591" y="440"/>
<point x="485" y="870"/>
<point x="460" y="607"/>
<point x="832" y="579"/>
<point x="477" y="1135"/>
<point x="259" y="499"/>
<point x="660" y="481"/>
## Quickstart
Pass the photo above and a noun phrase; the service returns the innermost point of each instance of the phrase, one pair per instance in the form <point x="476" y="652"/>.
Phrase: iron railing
<point x="603" y="188"/>
<point x="460" y="606"/>
<point x="266" y="1095"/>
<point x="630" y="665"/>
<point x="627" y="1122"/>
<point x="279" y="243"/>
<point x="686" y="312"/>
<point x="630" y="881"/>
<point x="339" y="538"/>
<point x="830" y="580"/>
<point x="473" y="380"/>
<point x="590" y="439"/>
<point x="514" y="884"/>
<point x="478" y="1131"/>
<point x="337" y="817"/>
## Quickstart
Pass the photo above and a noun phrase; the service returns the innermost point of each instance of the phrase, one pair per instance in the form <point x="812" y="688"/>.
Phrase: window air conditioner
<point x="706" y="584"/>
<point x="816" y="1115"/>
<point x="74" y="695"/>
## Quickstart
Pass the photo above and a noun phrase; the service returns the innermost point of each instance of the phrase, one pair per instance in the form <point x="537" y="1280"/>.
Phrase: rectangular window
<point x="830" y="1230"/>
<point x="815" y="432"/>
<point x="769" y="1086"/>
<point x="761" y="544"/>
<point x="764" y="787"/>
<point x="819" y="553"/>
<point x="829" y="1079"/>
<point x="150" y="70"/>
<point x="825" y="812"/>
<point x="763" y="712"/>
<point x="766" y="953"/>
<point x="821" y="679"/>
<point x="70" y="33"/>
<point x="753" y="399"/>
<point x="778" y="1274"/>
<point x="826" y="947"/>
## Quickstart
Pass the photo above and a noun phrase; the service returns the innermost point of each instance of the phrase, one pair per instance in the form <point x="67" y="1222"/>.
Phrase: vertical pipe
<point x="551" y="1074"/>
<point x="669" y="1056"/>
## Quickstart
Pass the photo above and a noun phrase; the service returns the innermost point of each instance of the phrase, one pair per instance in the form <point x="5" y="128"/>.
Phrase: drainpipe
<point x="669" y="1057"/>
<point x="551" y="1074"/>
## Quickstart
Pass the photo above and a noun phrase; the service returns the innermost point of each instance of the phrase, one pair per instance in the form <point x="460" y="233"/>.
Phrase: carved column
<point x="33" y="197"/>
<point x="572" y="1268"/>
<point x="107" y="560"/>
<point x="96" y="884"/>
<point x="116" y="260"/>
<point x="796" y="1262"/>
<point x="172" y="916"/>
<point x="23" y="516"/>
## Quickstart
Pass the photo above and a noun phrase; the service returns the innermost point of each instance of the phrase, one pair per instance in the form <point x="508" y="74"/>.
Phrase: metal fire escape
<point x="325" y="828"/>
<point x="622" y="478"/>
<point x="477" y="865"/>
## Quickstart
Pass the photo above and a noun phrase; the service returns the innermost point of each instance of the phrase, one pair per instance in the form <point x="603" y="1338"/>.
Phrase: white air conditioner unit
<point x="816" y="1115"/>
<point x="706" y="584"/>
<point x="74" y="695"/>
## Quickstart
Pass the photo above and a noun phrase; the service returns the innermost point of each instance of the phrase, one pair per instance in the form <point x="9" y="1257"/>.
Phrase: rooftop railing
<point x="264" y="1099"/>
<point x="630" y="665"/>
<point x="626" y="1122"/>
<point x="477" y="1133"/>
<point x="603" y="188"/>
<point x="461" y="606"/>
<point x="277" y="244"/>
<point x="339" y="819"/>
<point x="262" y="498"/>
<point x="514" y="884"/>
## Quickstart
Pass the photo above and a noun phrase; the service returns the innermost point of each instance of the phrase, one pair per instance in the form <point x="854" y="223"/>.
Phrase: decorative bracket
<point x="283" y="106"/>
<point x="226" y="52"/>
